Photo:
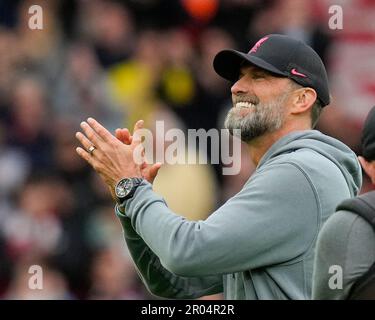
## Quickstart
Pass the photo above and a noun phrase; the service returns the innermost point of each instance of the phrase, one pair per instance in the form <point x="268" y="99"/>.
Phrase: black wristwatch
<point x="125" y="188"/>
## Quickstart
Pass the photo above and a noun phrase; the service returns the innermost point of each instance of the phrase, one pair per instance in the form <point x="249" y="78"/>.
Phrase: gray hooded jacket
<point x="260" y="243"/>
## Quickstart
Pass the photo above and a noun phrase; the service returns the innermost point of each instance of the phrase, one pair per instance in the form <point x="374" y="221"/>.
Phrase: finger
<point x="153" y="172"/>
<point x="137" y="137"/>
<point x="85" y="155"/>
<point x="138" y="151"/>
<point x="86" y="143"/>
<point x="102" y="132"/>
<point x="155" y="169"/>
<point x="127" y="135"/>
<point x="120" y="135"/>
<point x="144" y="165"/>
<point x="138" y="125"/>
<point x="124" y="135"/>
<point x="91" y="135"/>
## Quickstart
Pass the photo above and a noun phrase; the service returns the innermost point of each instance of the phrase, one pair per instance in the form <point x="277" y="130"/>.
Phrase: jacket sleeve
<point x="345" y="250"/>
<point x="272" y="220"/>
<point x="156" y="278"/>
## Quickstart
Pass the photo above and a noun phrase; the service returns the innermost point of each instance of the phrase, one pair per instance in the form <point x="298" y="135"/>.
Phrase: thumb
<point x="154" y="171"/>
<point x="123" y="135"/>
<point x="118" y="134"/>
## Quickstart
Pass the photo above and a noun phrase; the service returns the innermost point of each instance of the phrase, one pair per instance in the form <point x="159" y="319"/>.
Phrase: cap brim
<point x="227" y="64"/>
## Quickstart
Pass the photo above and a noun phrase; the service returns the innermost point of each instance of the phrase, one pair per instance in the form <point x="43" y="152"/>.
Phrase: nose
<point x="239" y="87"/>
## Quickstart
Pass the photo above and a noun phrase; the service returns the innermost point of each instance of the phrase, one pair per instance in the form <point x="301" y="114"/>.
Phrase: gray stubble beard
<point x="264" y="118"/>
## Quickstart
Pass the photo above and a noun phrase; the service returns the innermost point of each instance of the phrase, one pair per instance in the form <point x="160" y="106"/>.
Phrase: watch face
<point x="123" y="188"/>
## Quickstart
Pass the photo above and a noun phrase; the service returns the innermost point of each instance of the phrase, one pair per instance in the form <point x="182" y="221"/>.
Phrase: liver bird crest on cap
<point x="258" y="45"/>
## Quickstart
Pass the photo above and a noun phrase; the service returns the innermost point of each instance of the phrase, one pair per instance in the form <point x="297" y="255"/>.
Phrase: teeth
<point x="244" y="105"/>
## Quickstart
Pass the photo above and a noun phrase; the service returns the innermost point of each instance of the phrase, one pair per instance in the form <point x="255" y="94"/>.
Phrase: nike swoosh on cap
<point x="296" y="73"/>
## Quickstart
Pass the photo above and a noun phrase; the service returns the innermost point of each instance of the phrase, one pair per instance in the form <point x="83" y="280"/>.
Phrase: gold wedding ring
<point x="91" y="149"/>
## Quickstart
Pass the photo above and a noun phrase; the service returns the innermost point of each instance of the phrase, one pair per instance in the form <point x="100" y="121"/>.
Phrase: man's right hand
<point x="149" y="171"/>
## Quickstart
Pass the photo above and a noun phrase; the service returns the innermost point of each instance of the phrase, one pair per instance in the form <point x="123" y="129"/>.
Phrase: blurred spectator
<point x="54" y="286"/>
<point x="134" y="81"/>
<point x="195" y="98"/>
<point x="177" y="84"/>
<point x="109" y="27"/>
<point x="81" y="90"/>
<point x="36" y="216"/>
<point x="296" y="18"/>
<point x="40" y="49"/>
<point x="213" y="92"/>
<point x="10" y="58"/>
<point x="14" y="168"/>
<point x="114" y="277"/>
<point x="234" y="17"/>
<point x="158" y="14"/>
<point x="102" y="231"/>
<point x="27" y="127"/>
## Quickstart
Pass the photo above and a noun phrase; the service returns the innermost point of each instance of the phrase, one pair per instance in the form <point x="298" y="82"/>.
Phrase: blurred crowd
<point x="120" y="61"/>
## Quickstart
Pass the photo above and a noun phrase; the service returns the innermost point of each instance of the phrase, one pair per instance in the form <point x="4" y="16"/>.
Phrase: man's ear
<point x="368" y="167"/>
<point x="303" y="100"/>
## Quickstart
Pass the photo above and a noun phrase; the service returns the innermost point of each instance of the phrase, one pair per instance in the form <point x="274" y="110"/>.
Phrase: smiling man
<point x="260" y="243"/>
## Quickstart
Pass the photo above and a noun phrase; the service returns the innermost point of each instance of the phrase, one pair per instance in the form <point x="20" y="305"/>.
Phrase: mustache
<point x="243" y="98"/>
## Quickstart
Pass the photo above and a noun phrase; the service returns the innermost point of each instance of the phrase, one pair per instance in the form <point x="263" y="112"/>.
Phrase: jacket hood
<point x="331" y="148"/>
